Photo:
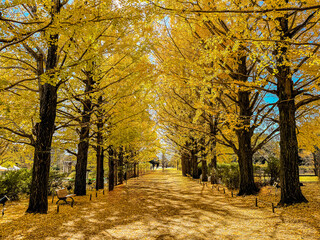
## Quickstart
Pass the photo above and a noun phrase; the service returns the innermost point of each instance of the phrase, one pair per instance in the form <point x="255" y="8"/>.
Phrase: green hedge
<point x="229" y="174"/>
<point x="15" y="183"/>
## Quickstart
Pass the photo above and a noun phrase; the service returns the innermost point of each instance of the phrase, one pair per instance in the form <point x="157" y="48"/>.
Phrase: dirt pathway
<point x="161" y="205"/>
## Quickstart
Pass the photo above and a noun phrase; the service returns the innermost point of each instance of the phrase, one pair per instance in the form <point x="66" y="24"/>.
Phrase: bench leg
<point x="62" y="199"/>
<point x="65" y="200"/>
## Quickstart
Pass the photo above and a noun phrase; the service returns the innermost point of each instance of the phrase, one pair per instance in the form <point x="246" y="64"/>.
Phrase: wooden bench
<point x="63" y="195"/>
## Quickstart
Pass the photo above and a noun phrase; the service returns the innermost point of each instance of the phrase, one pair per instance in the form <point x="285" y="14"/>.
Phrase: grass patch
<point x="309" y="179"/>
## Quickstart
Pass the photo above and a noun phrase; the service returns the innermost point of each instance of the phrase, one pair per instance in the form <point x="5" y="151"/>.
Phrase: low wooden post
<point x="96" y="194"/>
<point x="272" y="207"/>
<point x="90" y="196"/>
<point x="231" y="193"/>
<point x="103" y="191"/>
<point x="256" y="202"/>
<point x="224" y="191"/>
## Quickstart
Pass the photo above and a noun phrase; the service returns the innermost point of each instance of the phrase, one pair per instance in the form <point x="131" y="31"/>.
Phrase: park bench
<point x="63" y="195"/>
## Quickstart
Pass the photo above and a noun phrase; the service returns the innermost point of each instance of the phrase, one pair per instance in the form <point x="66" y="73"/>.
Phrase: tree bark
<point x="111" y="168"/>
<point x="120" y="163"/>
<point x="316" y="162"/>
<point x="134" y="169"/>
<point x="213" y="135"/>
<point x="100" y="170"/>
<point x="100" y="150"/>
<point x="244" y="134"/>
<point x="38" y="202"/>
<point x="204" y="169"/>
<point x="194" y="162"/>
<point x="184" y="159"/>
<point x="289" y="167"/>
<point x="204" y="166"/>
<point x="247" y="185"/>
<point x="83" y="146"/>
<point x="116" y="161"/>
<point x="138" y="170"/>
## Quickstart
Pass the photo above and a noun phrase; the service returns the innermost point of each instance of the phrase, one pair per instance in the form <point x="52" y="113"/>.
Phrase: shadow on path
<point x="165" y="205"/>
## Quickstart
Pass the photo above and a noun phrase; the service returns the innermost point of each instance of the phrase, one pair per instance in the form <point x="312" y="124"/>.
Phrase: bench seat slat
<point x="70" y="195"/>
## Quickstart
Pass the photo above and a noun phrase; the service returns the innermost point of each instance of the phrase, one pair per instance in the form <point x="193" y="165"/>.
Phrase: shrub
<point x="273" y="169"/>
<point x="72" y="175"/>
<point x="15" y="183"/>
<point x="55" y="180"/>
<point x="229" y="174"/>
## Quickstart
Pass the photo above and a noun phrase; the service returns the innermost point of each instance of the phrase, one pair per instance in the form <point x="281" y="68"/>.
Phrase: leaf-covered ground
<point x="165" y="205"/>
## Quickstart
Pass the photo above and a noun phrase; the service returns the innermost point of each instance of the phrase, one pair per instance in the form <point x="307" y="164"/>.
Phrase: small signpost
<point x="3" y="202"/>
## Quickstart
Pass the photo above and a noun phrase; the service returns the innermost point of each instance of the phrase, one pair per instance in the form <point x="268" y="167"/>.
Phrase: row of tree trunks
<point x="116" y="167"/>
<point x="189" y="160"/>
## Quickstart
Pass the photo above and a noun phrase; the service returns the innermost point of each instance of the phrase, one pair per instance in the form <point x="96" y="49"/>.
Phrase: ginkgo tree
<point x="51" y="64"/>
<point x="281" y="37"/>
<point x="222" y="84"/>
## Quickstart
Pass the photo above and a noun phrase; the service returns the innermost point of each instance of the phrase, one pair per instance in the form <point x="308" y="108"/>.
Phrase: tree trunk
<point x="289" y="167"/>
<point x="247" y="185"/>
<point x="213" y="124"/>
<point x="100" y="170"/>
<point x="134" y="169"/>
<point x="38" y="202"/>
<point x="244" y="134"/>
<point x="100" y="150"/>
<point x="120" y="163"/>
<point x="204" y="169"/>
<point x="213" y="135"/>
<point x="316" y="163"/>
<point x="188" y="164"/>
<point x="194" y="162"/>
<point x="111" y="168"/>
<point x="83" y="146"/>
<point x="116" y="162"/>
<point x="184" y="159"/>
<point x="204" y="166"/>
<point x="214" y="177"/>
<point x="138" y="170"/>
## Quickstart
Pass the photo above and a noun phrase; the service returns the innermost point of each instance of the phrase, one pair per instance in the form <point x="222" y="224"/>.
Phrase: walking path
<point x="160" y="206"/>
